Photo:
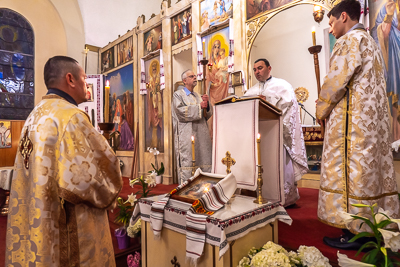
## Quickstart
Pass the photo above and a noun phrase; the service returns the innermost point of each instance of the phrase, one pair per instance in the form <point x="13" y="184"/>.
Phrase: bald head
<point x="56" y="69"/>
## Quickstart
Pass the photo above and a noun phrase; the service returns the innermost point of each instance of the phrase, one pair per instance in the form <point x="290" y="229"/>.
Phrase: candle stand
<point x="260" y="199"/>
<point x="193" y="167"/>
<point x="315" y="49"/>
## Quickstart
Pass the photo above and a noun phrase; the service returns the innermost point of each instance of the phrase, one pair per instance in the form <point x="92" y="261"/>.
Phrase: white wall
<point x="104" y="20"/>
<point x="284" y="41"/>
<point x="180" y="63"/>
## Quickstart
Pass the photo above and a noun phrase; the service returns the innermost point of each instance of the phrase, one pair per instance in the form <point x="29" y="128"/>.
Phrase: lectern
<point x="237" y="121"/>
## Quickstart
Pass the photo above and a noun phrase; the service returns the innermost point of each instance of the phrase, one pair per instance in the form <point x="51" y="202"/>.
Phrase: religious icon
<point x="195" y="189"/>
<point x="214" y="12"/>
<point x="181" y="27"/>
<point x="89" y="92"/>
<point x="125" y="51"/>
<point x="255" y="7"/>
<point x="107" y="60"/>
<point x="153" y="40"/>
<point x="5" y="134"/>
<point x="237" y="78"/>
<point x="154" y="106"/>
<point x="121" y="104"/>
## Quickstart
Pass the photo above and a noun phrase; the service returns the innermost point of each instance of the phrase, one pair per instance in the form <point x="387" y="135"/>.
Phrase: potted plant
<point x="157" y="171"/>
<point x="383" y="252"/>
<point x="123" y="217"/>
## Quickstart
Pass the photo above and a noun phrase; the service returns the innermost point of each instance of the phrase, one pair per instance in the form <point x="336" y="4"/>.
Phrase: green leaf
<point x="368" y="222"/>
<point x="369" y="244"/>
<point x="363" y="234"/>
<point x="383" y="224"/>
<point x="154" y="167"/>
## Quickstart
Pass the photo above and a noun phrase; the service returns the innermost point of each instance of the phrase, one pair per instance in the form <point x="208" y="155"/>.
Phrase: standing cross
<point x="228" y="161"/>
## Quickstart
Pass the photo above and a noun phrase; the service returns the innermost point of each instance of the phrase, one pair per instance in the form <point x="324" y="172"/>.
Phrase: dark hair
<point x="57" y="67"/>
<point x="351" y="7"/>
<point x="264" y="60"/>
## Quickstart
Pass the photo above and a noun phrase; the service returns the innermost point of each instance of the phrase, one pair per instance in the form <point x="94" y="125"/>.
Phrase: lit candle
<point x="258" y="149"/>
<point x="314" y="42"/>
<point x="193" y="157"/>
<point x="204" y="48"/>
<point x="106" y="101"/>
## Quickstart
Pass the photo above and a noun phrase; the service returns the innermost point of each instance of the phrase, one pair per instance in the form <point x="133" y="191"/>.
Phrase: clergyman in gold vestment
<point x="66" y="177"/>
<point x="357" y="163"/>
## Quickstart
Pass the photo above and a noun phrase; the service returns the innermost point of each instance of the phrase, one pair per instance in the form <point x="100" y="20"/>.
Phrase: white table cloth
<point x="5" y="177"/>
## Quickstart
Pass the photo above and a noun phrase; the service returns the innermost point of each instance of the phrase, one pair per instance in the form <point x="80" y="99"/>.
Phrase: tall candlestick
<point x="204" y="48"/>
<point x="314" y="41"/>
<point x="193" y="155"/>
<point x="258" y="149"/>
<point x="106" y="101"/>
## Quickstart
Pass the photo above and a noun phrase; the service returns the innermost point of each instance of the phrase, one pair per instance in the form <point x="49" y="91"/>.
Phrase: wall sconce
<point x="318" y="13"/>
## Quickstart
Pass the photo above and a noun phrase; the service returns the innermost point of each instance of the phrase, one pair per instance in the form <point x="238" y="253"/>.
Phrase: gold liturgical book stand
<point x="237" y="123"/>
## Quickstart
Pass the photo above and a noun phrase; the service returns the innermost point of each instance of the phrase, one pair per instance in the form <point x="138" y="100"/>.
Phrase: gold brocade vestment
<point x="357" y="162"/>
<point x="65" y="178"/>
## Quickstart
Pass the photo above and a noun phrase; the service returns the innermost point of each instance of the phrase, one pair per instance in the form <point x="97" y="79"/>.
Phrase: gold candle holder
<point x="259" y="199"/>
<point x="193" y="156"/>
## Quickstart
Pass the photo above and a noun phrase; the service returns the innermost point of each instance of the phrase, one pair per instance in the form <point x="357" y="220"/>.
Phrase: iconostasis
<point x="229" y="34"/>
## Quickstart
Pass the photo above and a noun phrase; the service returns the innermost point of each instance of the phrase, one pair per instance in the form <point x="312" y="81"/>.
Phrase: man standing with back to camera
<point x="357" y="162"/>
<point x="66" y="177"/>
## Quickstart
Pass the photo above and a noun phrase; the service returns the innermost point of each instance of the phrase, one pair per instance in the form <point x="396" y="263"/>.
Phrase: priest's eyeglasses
<point x="191" y="76"/>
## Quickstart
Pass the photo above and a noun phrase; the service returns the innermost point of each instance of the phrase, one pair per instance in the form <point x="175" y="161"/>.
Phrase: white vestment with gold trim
<point x="357" y="162"/>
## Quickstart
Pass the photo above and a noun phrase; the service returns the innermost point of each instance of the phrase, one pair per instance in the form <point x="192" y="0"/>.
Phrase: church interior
<point x="135" y="55"/>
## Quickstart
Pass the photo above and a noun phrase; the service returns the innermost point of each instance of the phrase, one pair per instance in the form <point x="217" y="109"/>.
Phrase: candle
<point x="193" y="157"/>
<point x="106" y="101"/>
<point x="258" y="149"/>
<point x="204" y="48"/>
<point x="313" y="37"/>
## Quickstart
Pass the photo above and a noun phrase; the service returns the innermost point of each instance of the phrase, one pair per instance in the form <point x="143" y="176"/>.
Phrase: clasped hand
<point x="204" y="104"/>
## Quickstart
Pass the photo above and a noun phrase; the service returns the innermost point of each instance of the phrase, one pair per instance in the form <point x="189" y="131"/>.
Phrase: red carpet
<point x="307" y="230"/>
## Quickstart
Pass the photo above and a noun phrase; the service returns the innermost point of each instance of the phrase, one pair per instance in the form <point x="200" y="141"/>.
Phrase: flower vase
<point x="122" y="238"/>
<point x="158" y="179"/>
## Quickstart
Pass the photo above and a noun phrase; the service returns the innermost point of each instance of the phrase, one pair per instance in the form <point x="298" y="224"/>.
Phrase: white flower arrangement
<point x="272" y="254"/>
<point x="133" y="230"/>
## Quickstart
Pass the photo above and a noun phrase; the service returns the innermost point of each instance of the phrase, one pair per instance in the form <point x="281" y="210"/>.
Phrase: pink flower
<point x="134" y="261"/>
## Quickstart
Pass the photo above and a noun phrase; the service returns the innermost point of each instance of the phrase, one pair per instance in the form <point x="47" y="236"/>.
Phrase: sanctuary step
<point x="309" y="180"/>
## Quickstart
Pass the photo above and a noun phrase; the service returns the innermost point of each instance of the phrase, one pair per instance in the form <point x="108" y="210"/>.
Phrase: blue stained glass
<point x="16" y="66"/>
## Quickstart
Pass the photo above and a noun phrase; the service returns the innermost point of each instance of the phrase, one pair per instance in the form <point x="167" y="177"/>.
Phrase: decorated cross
<point x="228" y="161"/>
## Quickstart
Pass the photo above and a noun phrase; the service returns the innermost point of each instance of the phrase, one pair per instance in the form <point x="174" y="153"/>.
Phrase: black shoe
<point x="342" y="242"/>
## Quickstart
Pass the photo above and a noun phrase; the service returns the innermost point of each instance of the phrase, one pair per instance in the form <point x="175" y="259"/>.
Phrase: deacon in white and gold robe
<point x="65" y="178"/>
<point x="280" y="93"/>
<point x="188" y="120"/>
<point x="357" y="163"/>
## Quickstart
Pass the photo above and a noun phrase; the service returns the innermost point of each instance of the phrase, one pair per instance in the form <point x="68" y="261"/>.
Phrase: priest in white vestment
<point x="281" y="94"/>
<point x="190" y="113"/>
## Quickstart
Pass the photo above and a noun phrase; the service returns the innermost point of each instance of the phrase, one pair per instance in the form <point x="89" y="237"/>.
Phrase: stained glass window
<point x="17" y="92"/>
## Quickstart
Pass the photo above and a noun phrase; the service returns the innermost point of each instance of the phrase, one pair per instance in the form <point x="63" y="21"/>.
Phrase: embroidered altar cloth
<point x="232" y="222"/>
